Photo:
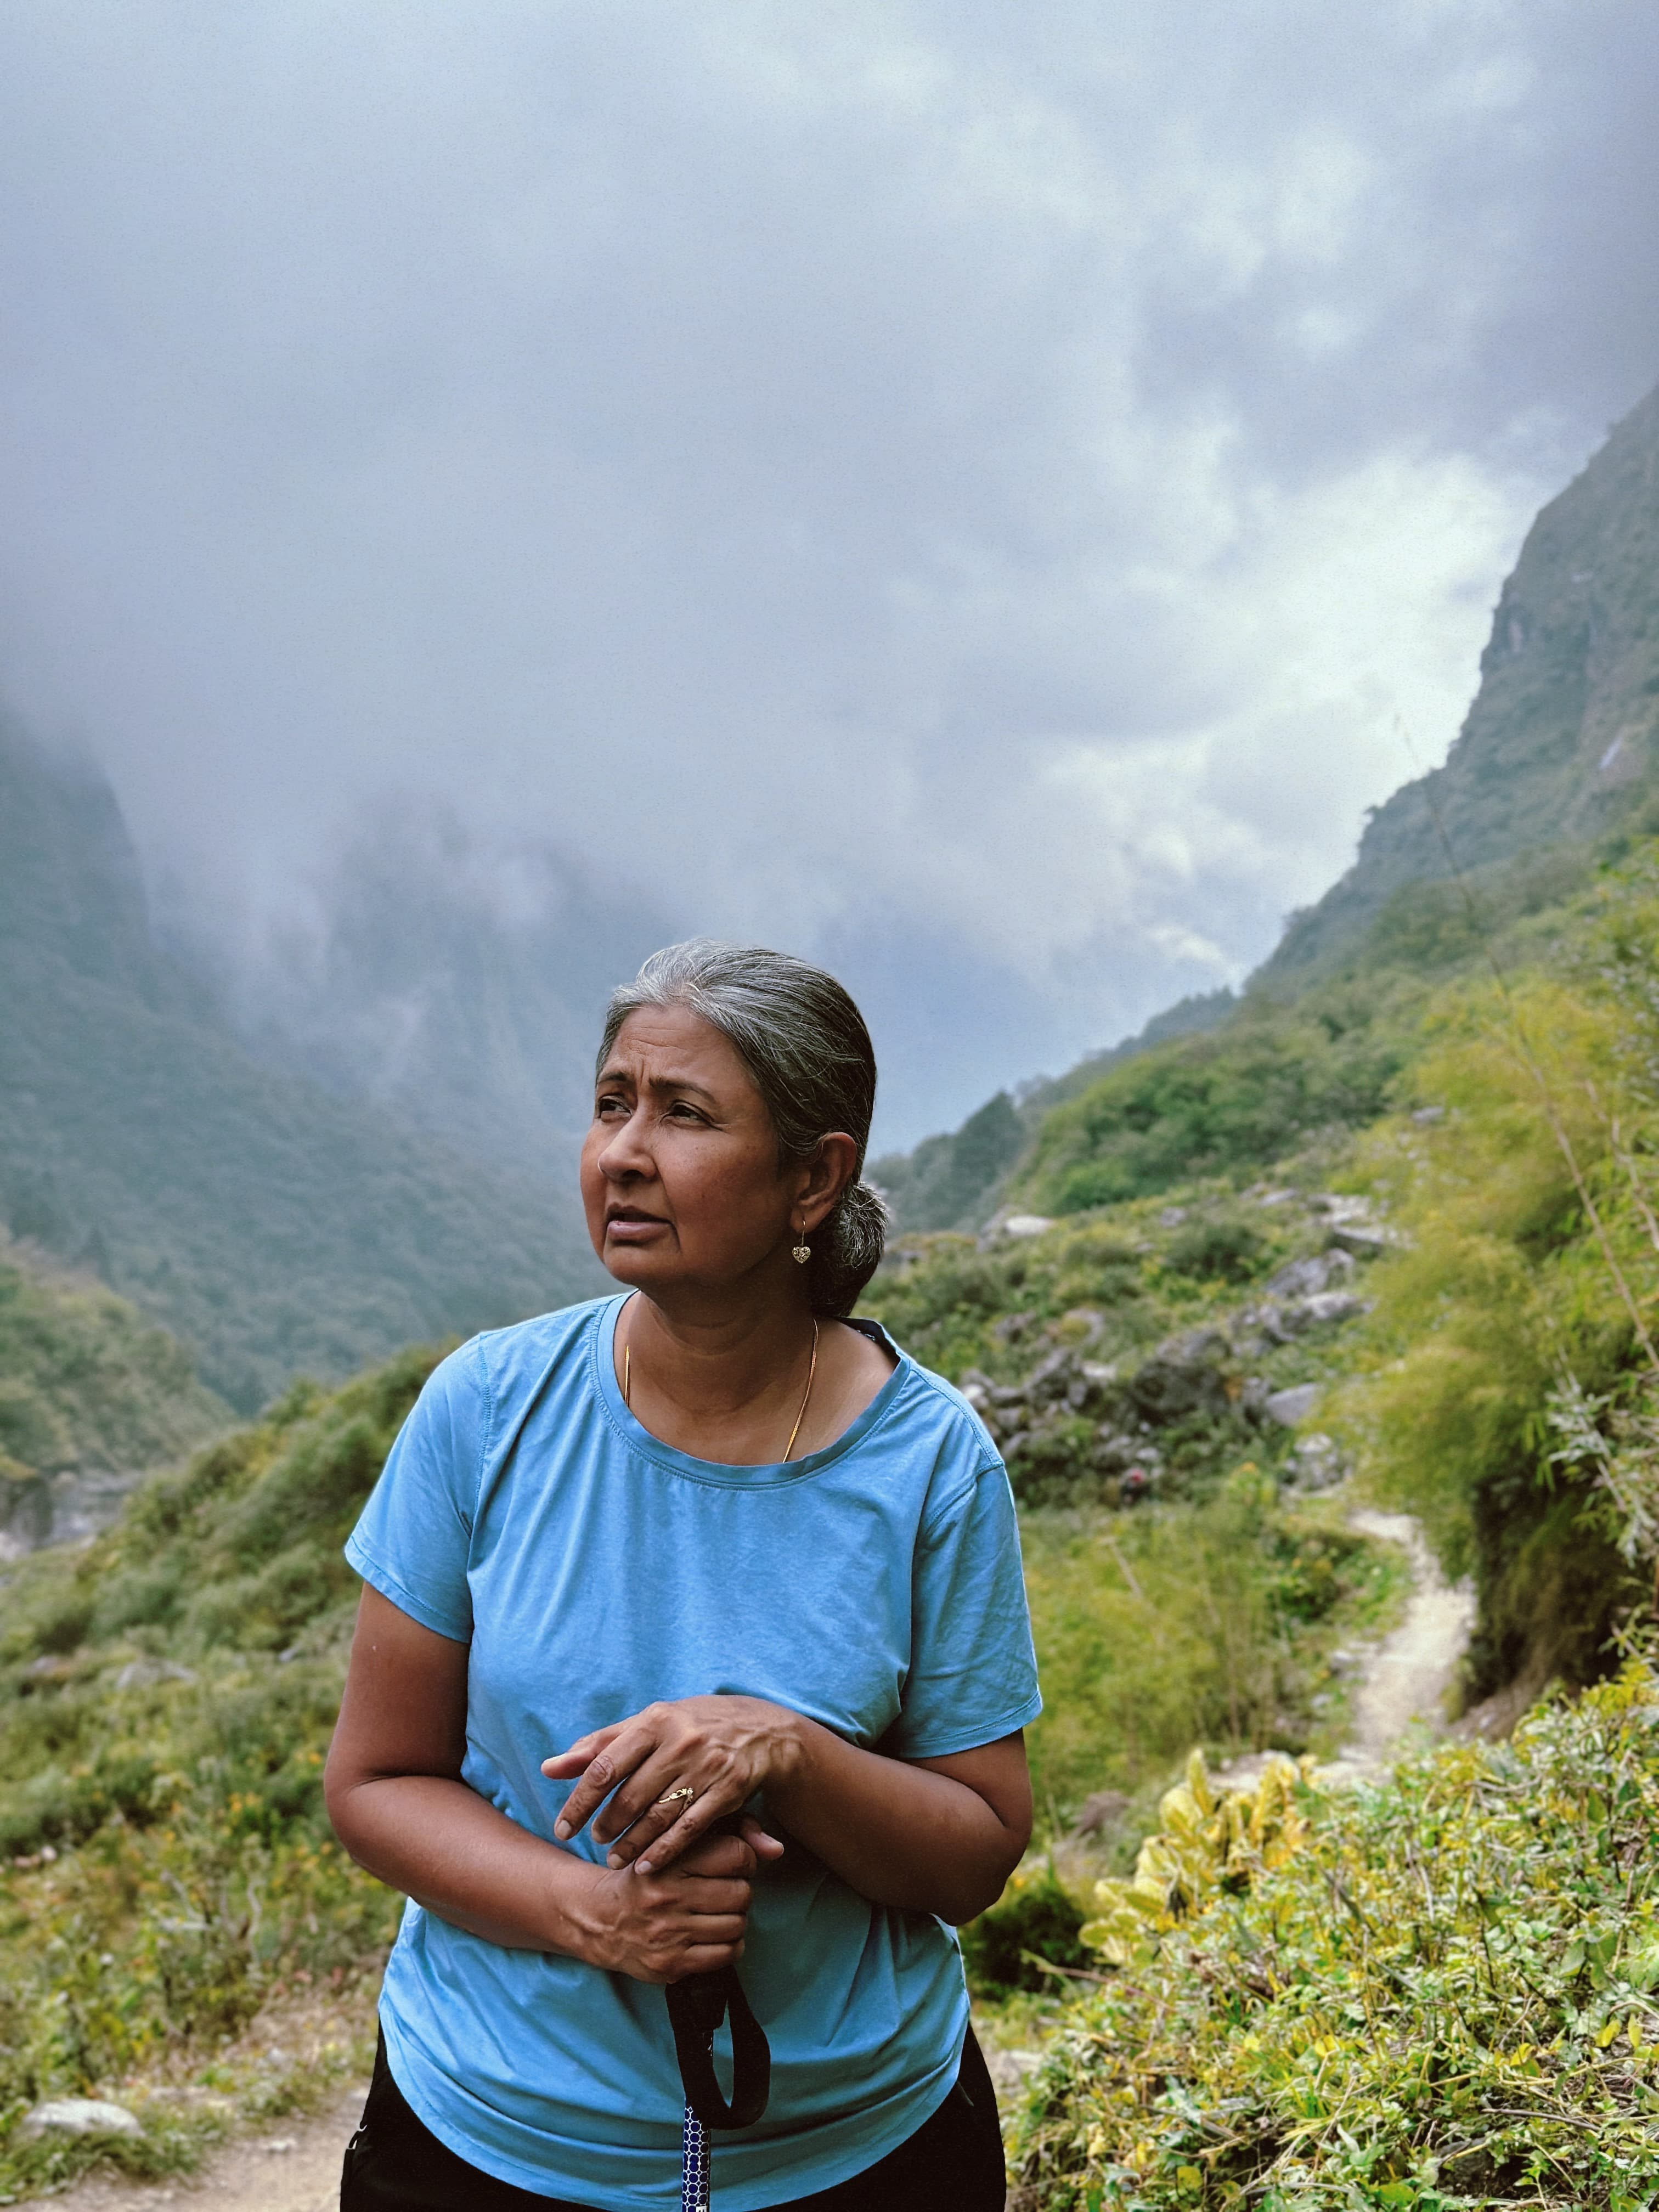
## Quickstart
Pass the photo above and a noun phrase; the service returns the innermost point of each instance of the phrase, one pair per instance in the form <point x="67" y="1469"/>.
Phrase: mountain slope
<point x="90" y="1395"/>
<point x="271" y="1226"/>
<point x="1559" y="753"/>
<point x="1560" y="742"/>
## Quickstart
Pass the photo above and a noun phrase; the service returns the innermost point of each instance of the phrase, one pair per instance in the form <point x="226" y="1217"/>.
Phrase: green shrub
<point x="1444" y="1996"/>
<point x="1036" y="1919"/>
<point x="1219" y="1251"/>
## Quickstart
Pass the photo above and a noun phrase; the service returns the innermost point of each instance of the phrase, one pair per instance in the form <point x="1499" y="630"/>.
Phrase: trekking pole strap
<point x="696" y="2007"/>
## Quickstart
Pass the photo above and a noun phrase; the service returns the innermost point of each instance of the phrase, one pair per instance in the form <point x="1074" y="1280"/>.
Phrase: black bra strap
<point x="696" y="2007"/>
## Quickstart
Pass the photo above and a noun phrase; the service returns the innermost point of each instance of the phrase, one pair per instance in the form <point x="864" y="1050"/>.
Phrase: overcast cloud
<point x="971" y="489"/>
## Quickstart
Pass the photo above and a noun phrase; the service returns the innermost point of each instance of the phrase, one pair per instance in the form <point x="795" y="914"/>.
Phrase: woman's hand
<point x="719" y="1750"/>
<point x="660" y="1927"/>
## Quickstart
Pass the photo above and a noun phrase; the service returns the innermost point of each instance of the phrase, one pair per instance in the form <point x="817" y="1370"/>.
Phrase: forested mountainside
<point x="271" y="1226"/>
<point x="1556" y="764"/>
<point x="953" y="1181"/>
<point x="91" y="1395"/>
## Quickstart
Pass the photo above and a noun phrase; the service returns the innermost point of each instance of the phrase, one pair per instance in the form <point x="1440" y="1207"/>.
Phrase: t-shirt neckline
<point x="634" y="1433"/>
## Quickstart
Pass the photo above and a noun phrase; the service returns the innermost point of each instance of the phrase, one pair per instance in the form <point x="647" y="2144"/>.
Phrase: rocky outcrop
<point x="1076" y="1427"/>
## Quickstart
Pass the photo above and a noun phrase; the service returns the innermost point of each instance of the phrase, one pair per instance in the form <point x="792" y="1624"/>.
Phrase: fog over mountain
<point x="971" y="492"/>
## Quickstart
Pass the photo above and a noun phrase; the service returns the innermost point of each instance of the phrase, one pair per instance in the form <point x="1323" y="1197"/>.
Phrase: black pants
<point x="953" y="2162"/>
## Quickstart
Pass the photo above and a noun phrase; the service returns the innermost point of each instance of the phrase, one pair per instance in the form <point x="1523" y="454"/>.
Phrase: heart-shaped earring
<point x="801" y="1252"/>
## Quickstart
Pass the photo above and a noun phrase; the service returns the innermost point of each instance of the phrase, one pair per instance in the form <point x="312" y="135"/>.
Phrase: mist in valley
<point x="969" y="497"/>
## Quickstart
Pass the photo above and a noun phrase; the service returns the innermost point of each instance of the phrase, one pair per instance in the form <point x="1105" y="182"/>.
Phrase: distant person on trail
<point x="693" y="1633"/>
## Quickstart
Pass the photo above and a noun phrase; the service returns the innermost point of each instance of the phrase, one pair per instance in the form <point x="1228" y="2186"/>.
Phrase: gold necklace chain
<point x="812" y="1376"/>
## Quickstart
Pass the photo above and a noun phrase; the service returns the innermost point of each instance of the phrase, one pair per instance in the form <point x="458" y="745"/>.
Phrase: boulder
<point x="1025" y="1224"/>
<point x="1366" y="1239"/>
<point x="1316" y="1463"/>
<point x="80" y="2115"/>
<point x="1291" y="1406"/>
<point x="1184" y="1377"/>
<point x="1303" y="1278"/>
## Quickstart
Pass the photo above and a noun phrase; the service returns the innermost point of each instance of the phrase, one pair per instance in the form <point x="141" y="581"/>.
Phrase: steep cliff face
<point x="1561" y="741"/>
<point x="271" y="1226"/>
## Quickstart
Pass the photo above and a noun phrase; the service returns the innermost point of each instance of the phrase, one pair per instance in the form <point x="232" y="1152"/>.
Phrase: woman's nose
<point x="625" y="1152"/>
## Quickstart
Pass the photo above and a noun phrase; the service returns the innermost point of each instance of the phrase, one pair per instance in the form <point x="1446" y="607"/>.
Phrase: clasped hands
<point x="679" y="1893"/>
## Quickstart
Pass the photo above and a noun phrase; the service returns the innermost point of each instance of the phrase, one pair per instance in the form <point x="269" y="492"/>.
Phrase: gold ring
<point x="684" y="1796"/>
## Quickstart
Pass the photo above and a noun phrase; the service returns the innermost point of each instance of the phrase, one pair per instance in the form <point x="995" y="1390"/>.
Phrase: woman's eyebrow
<point x="660" y="1083"/>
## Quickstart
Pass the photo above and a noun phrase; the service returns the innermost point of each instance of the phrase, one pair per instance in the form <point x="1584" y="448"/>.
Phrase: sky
<point x="983" y="494"/>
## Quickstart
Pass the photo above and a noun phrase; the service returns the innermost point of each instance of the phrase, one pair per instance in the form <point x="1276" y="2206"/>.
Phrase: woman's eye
<point x="608" y="1108"/>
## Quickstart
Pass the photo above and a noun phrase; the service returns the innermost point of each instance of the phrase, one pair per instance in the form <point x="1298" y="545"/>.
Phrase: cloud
<point x="970" y="488"/>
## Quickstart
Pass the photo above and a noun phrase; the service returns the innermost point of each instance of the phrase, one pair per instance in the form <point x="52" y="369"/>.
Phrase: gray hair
<point x="805" y="1043"/>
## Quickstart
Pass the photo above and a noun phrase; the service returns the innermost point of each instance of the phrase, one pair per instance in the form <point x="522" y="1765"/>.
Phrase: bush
<point x="1443" y="1997"/>
<point x="1218" y="1251"/>
<point x="1036" y="1918"/>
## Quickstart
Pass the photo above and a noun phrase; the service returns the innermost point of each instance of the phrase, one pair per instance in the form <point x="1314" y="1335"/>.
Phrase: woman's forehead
<point x="658" y="1042"/>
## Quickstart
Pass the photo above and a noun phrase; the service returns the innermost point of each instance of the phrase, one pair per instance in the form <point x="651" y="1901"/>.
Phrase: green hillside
<point x="955" y="1180"/>
<point x="166" y="1872"/>
<point x="87" y="1389"/>
<point x="271" y="1226"/>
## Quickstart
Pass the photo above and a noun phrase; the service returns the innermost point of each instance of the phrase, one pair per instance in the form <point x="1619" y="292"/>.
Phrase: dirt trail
<point x="292" y="2167"/>
<point x="1407" y="1677"/>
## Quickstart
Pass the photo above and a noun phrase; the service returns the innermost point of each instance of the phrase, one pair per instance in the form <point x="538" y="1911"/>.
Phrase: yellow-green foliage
<point x="1447" y="1996"/>
<point x="1528" y="1217"/>
<point x="166" y="1696"/>
<point x="1208" y="1840"/>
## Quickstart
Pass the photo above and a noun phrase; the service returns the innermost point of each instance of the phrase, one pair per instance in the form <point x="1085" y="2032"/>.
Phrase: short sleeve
<point x="413" y="1539"/>
<point x="972" y="1671"/>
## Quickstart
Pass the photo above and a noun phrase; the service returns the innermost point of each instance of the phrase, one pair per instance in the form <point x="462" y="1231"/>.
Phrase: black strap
<point x="696" y="2007"/>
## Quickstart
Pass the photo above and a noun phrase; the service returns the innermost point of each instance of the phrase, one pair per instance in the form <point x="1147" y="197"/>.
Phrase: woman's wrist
<point x="790" y="1766"/>
<point x="573" y="1916"/>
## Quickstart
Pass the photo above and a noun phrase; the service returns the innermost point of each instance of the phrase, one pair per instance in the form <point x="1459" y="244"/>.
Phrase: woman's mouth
<point x="631" y="1226"/>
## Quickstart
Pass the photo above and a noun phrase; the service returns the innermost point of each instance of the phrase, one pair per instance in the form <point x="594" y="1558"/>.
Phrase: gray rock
<point x="1303" y="1278"/>
<point x="80" y="2115"/>
<point x="1426" y="1116"/>
<point x="1329" y="1306"/>
<point x="1365" y="1239"/>
<point x="1316" y="1463"/>
<point x="1025" y="1224"/>
<point x="1184" y="1377"/>
<point x="144" y="1674"/>
<point x="1291" y="1406"/>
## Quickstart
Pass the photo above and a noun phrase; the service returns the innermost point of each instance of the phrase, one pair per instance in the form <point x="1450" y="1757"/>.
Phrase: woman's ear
<point x="825" y="1177"/>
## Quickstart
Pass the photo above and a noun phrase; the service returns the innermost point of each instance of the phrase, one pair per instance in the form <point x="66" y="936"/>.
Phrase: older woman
<point x="693" y="1631"/>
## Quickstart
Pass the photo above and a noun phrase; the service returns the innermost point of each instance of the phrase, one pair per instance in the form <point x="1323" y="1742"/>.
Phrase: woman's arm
<point x="394" y="1793"/>
<point x="932" y="1835"/>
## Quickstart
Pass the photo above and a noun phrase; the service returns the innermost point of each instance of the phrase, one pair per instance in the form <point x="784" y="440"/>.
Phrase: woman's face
<point x="680" y="1176"/>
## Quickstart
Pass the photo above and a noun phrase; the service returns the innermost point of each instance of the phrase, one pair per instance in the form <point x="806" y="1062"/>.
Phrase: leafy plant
<point x="1443" y="1994"/>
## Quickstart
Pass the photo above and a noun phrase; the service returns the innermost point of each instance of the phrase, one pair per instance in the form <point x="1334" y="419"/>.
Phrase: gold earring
<point x="801" y="1252"/>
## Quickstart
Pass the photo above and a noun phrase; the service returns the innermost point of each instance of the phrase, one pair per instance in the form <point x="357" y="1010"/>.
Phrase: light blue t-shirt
<point x="874" y="1587"/>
